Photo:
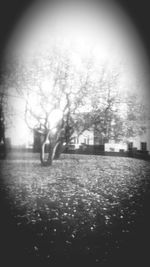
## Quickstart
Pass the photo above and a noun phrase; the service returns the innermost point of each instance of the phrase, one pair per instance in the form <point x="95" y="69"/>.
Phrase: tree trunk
<point x="54" y="153"/>
<point x="45" y="161"/>
<point x="58" y="151"/>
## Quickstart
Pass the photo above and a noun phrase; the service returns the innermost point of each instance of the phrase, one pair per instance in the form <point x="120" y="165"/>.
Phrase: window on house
<point x="84" y="140"/>
<point x="130" y="145"/>
<point x="143" y="146"/>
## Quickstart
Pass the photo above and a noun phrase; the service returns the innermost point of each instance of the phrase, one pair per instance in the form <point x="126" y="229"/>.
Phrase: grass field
<point x="82" y="211"/>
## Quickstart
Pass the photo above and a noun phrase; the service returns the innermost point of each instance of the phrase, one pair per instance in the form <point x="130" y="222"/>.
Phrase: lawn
<point x="82" y="211"/>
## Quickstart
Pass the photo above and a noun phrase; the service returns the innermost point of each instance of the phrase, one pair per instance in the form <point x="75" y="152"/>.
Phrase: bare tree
<point x="54" y="92"/>
<point x="61" y="98"/>
<point x="105" y="102"/>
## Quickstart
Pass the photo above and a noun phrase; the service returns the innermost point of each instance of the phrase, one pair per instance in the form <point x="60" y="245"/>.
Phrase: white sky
<point x="103" y="31"/>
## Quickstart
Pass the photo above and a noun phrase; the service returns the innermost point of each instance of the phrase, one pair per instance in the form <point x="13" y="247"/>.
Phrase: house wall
<point x="145" y="138"/>
<point x="116" y="147"/>
<point x="87" y="137"/>
<point x="139" y="139"/>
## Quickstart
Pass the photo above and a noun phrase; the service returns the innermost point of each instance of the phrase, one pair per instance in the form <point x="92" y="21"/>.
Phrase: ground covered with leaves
<point x="84" y="210"/>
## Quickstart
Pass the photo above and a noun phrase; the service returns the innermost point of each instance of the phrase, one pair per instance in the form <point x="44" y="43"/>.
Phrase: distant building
<point x="90" y="137"/>
<point x="137" y="143"/>
<point x="93" y="138"/>
<point x="116" y="147"/>
<point x="87" y="138"/>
